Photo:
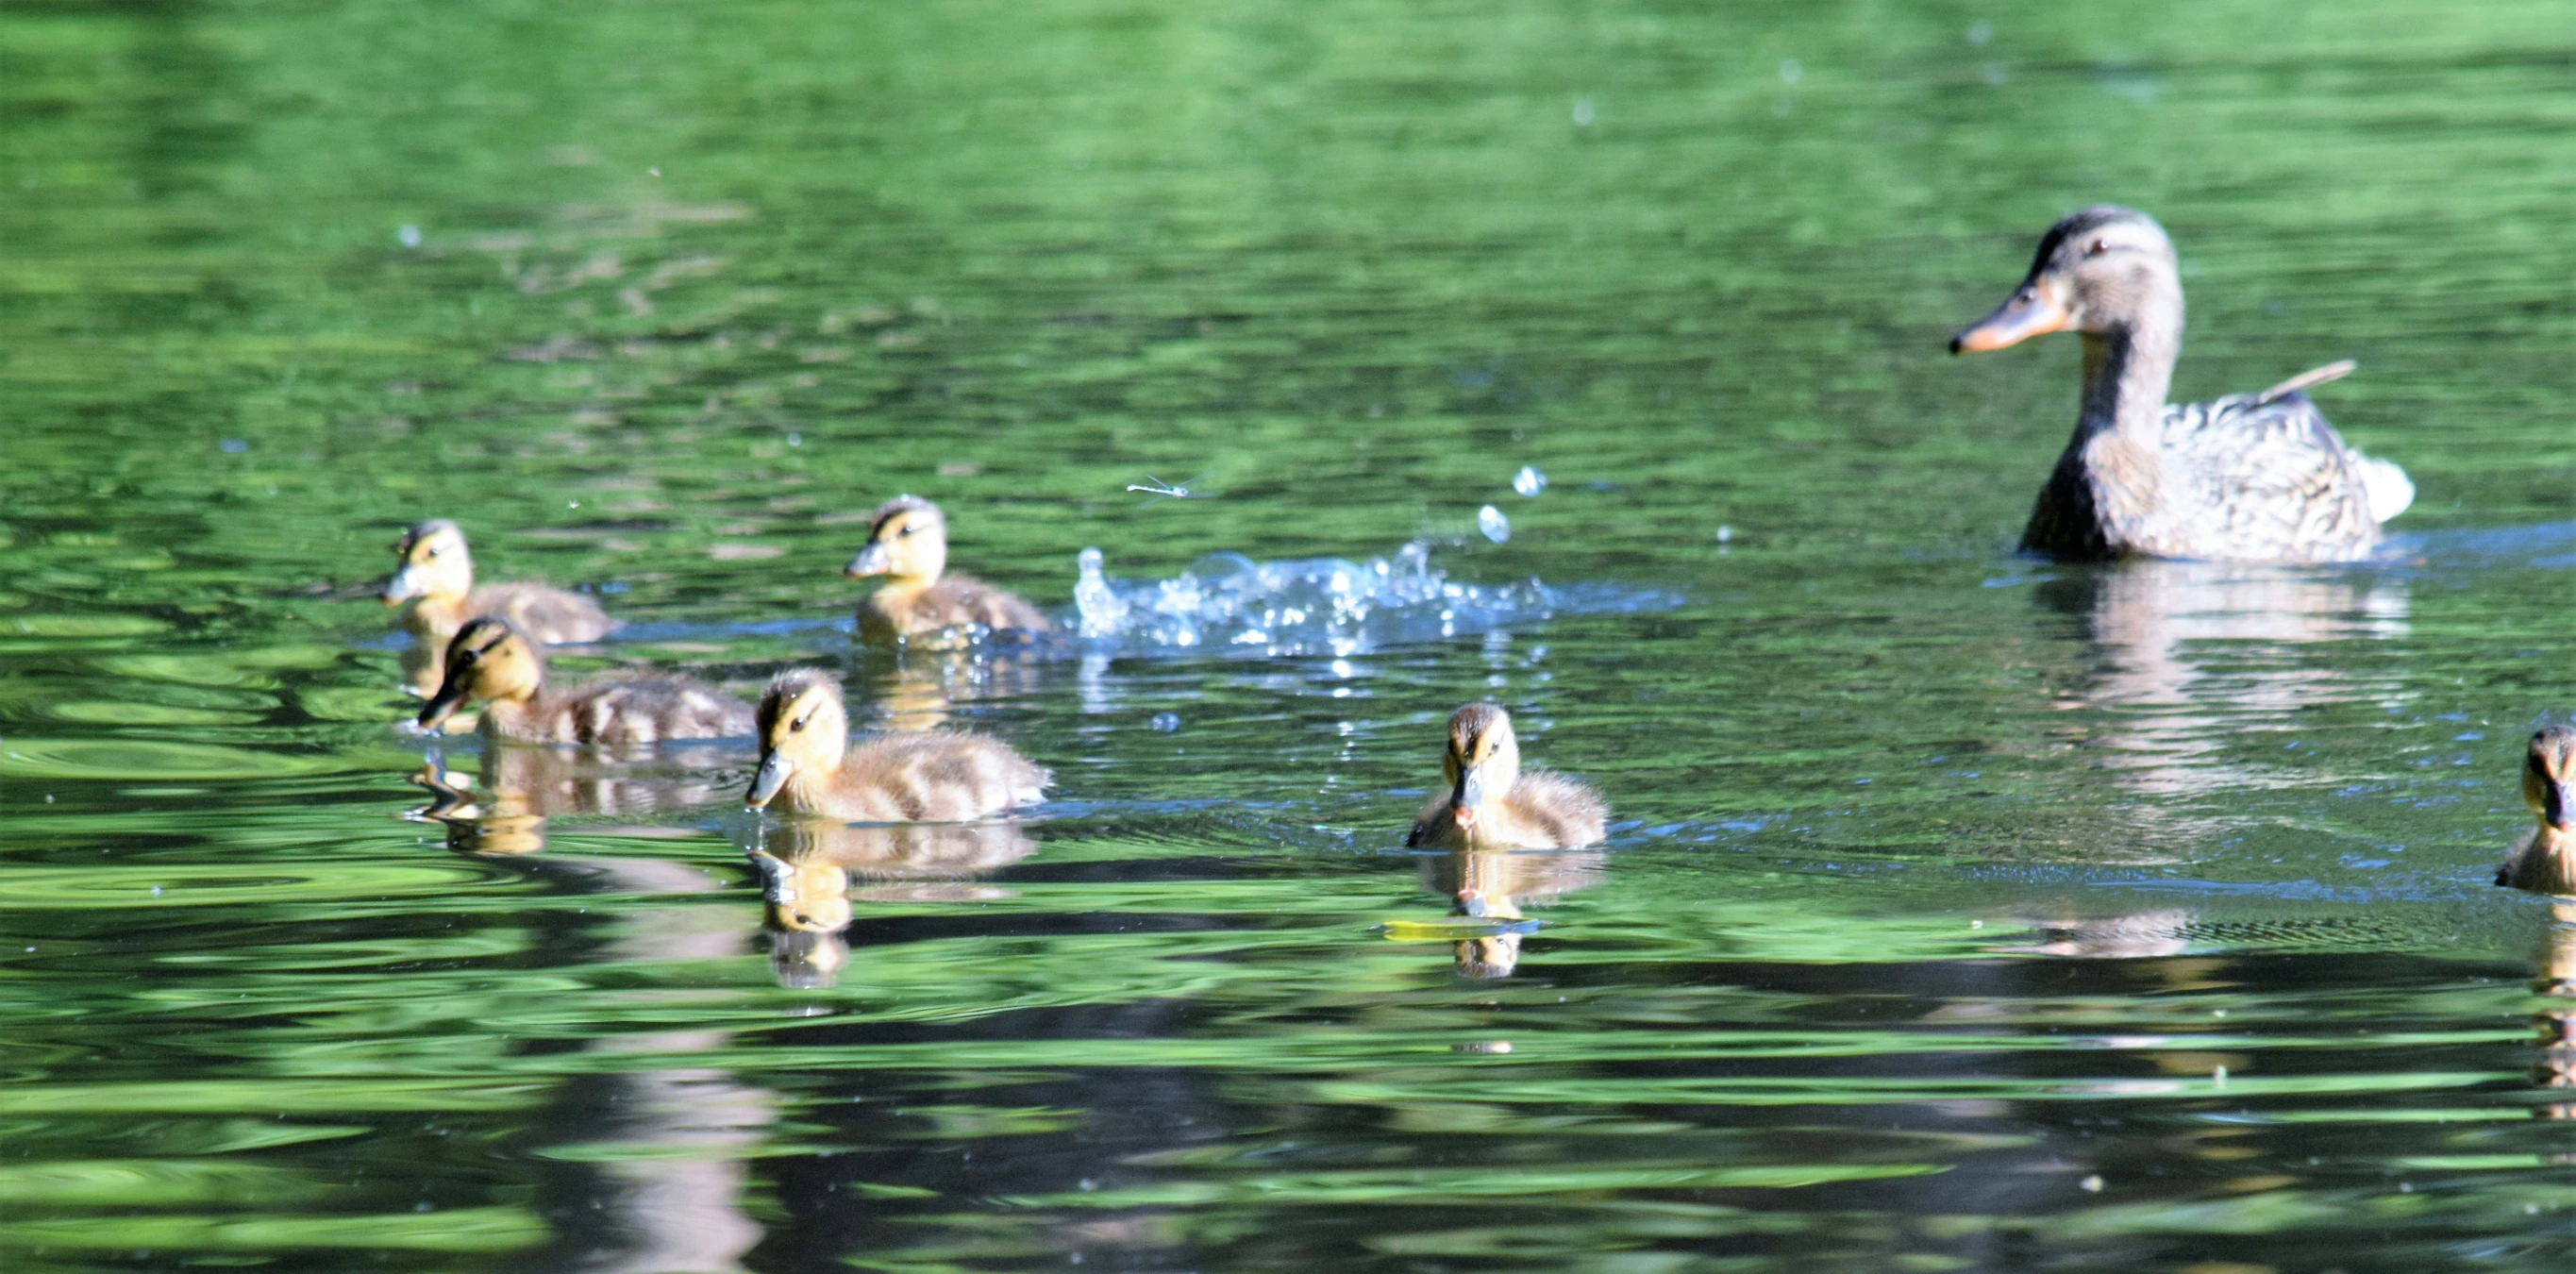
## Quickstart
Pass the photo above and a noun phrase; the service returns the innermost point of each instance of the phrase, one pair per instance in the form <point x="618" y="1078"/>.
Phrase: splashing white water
<point x="1491" y="521"/>
<point x="1318" y="604"/>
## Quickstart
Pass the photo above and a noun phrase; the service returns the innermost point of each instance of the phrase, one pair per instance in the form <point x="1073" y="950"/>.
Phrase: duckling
<point x="908" y="544"/>
<point x="1492" y="804"/>
<point x="436" y="579"/>
<point x="2546" y="862"/>
<point x="2250" y="477"/>
<point x="808" y="766"/>
<point x="491" y="659"/>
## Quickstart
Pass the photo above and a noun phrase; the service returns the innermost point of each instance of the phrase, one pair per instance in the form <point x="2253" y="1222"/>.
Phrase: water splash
<point x="1529" y="481"/>
<point x="1491" y="521"/>
<point x="1320" y="604"/>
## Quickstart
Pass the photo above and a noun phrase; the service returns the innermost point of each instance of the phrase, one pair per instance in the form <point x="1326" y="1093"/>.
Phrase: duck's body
<point x="808" y="767"/>
<point x="435" y="587"/>
<point x="1492" y="803"/>
<point x="2249" y="477"/>
<point x="908" y="544"/>
<point x="491" y="660"/>
<point x="2545" y="861"/>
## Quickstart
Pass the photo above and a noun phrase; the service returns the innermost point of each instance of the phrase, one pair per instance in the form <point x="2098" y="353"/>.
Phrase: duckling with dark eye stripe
<point x="807" y="765"/>
<point x="1491" y="803"/>
<point x="435" y="586"/>
<point x="2546" y="863"/>
<point x="491" y="659"/>
<point x="908" y="544"/>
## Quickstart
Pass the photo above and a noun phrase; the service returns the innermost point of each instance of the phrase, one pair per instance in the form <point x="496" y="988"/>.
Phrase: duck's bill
<point x="1469" y="797"/>
<point x="2031" y="311"/>
<point x="764" y="785"/>
<point x="442" y="705"/>
<point x="403" y="587"/>
<point x="871" y="560"/>
<point x="2559" y="806"/>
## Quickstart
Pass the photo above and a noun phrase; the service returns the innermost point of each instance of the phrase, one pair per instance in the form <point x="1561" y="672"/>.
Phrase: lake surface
<point x="1959" y="912"/>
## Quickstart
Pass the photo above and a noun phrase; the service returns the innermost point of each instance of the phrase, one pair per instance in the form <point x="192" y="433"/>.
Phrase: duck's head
<point x="803" y="728"/>
<point x="1484" y="760"/>
<point x="2549" y="777"/>
<point x="2104" y="269"/>
<point x="907" y="542"/>
<point x="430" y="561"/>
<point x="487" y="659"/>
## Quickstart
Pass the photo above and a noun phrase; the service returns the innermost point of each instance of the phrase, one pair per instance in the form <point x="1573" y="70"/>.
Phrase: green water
<point x="1960" y="912"/>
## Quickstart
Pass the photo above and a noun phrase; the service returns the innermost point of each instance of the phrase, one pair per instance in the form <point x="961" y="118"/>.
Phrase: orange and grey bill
<point x="2032" y="310"/>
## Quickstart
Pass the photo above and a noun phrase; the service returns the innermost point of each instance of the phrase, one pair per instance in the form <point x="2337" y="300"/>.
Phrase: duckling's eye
<point x="904" y="531"/>
<point x="798" y="724"/>
<point x="428" y="553"/>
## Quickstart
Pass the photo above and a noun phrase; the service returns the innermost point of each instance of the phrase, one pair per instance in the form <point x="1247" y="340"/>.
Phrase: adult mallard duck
<point x="434" y="582"/>
<point x="2250" y="477"/>
<point x="491" y="659"/>
<point x="908" y="544"/>
<point x="2546" y="862"/>
<point x="807" y="765"/>
<point x="1491" y="803"/>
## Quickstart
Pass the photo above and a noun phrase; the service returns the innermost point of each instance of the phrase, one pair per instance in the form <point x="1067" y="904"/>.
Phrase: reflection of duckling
<point x="808" y="766"/>
<point x="2555" y="1032"/>
<point x="436" y="579"/>
<point x="908" y="544"/>
<point x="2546" y="861"/>
<point x="1491" y="804"/>
<point x="492" y="660"/>
<point x="1493" y="885"/>
<point x="806" y="868"/>
<point x="2257" y="477"/>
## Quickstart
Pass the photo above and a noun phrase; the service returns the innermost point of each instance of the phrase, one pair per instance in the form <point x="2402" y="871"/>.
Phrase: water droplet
<point x="1583" y="114"/>
<point x="1726" y="535"/>
<point x="409" y="235"/>
<point x="1102" y="613"/>
<point x="1491" y="521"/>
<point x="2092" y="1184"/>
<point x="234" y="446"/>
<point x="1980" y="31"/>
<point x="795" y="439"/>
<point x="1529" y="481"/>
<point x="1166" y="722"/>
<point x="1790" y="71"/>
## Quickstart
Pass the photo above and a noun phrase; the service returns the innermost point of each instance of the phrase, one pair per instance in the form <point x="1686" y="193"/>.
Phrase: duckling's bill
<point x="872" y="560"/>
<point x="773" y="775"/>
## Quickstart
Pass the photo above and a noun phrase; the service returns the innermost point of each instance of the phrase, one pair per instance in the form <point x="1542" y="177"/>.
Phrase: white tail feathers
<point x="2389" y="488"/>
<point x="2308" y="379"/>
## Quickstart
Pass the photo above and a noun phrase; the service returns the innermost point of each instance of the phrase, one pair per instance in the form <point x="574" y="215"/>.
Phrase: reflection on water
<point x="1492" y="886"/>
<point x="812" y="871"/>
<point x="522" y="786"/>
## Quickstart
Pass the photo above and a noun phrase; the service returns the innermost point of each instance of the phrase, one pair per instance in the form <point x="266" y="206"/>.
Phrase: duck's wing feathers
<point x="631" y="710"/>
<point x="548" y="615"/>
<point x="2263" y="476"/>
<point x="964" y="599"/>
<point x="937" y="777"/>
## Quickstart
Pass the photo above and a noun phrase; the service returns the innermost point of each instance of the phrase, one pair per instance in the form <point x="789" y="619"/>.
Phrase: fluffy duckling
<point x="908" y="544"/>
<point x="2250" y="477"/>
<point x="491" y="659"/>
<point x="2546" y="863"/>
<point x="434" y="584"/>
<point x="808" y="767"/>
<point x="1492" y="804"/>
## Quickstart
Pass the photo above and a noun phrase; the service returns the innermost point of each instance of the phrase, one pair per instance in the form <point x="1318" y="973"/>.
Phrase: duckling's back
<point x="957" y="601"/>
<point x="634" y="710"/>
<point x="1570" y="810"/>
<point x="934" y="777"/>
<point x="548" y="615"/>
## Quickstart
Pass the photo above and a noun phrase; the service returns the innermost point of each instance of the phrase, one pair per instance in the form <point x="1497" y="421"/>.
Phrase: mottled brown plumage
<point x="2249" y="477"/>
<point x="908" y="544"/>
<point x="433" y="582"/>
<point x="1491" y="803"/>
<point x="2545" y="862"/>
<point x="807" y="765"/>
<point x="492" y="660"/>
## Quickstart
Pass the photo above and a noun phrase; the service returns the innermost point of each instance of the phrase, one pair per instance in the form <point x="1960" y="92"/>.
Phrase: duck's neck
<point x="512" y="717"/>
<point x="2127" y="372"/>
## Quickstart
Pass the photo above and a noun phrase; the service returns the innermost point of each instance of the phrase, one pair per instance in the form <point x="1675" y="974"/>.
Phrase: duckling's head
<point x="2549" y="777"/>
<point x="1484" y="760"/>
<point x="430" y="561"/>
<point x="907" y="542"/>
<point x="803" y="729"/>
<point x="487" y="659"/>
<point x="2104" y="269"/>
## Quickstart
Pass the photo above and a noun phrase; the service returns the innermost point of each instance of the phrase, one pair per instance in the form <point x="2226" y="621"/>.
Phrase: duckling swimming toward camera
<point x="807" y="765"/>
<point x="2546" y="863"/>
<point x="491" y="659"/>
<point x="435" y="586"/>
<point x="2250" y="477"/>
<point x="1492" y="804"/>
<point x="908" y="544"/>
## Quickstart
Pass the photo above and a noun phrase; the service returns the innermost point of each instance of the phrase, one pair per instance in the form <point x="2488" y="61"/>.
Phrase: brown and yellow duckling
<point x="2250" y="477"/>
<point x="2546" y="863"/>
<point x="434" y="584"/>
<point x="908" y="544"/>
<point x="807" y="765"/>
<point x="1492" y="804"/>
<point x="491" y="659"/>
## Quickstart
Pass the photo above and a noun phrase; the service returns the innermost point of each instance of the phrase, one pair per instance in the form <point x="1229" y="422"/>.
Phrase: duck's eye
<point x="904" y="531"/>
<point x="428" y="553"/>
<point x="2097" y="248"/>
<point x="798" y="724"/>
